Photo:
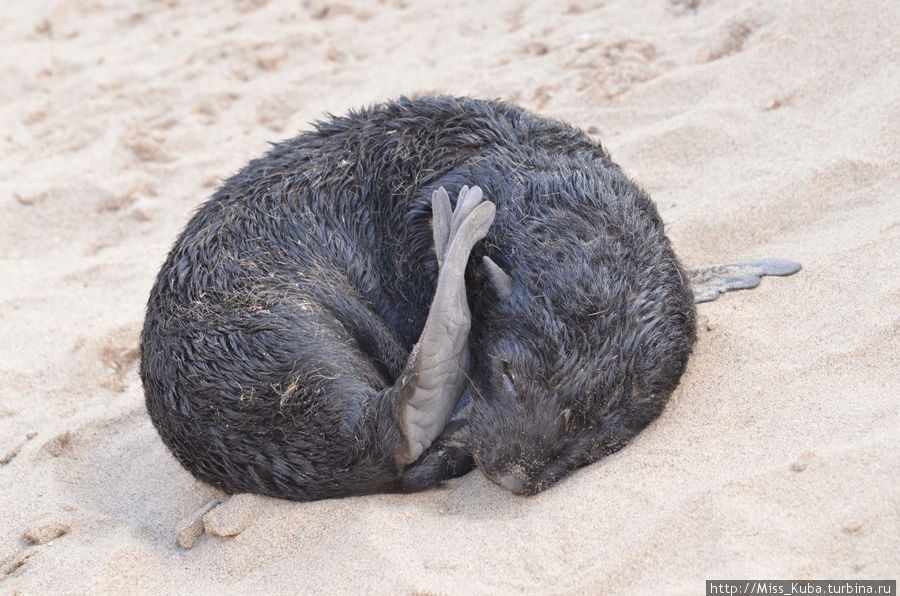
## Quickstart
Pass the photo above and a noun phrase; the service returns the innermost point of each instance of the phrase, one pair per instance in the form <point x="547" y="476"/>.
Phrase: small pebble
<point x="231" y="517"/>
<point x="853" y="528"/>
<point x="191" y="527"/>
<point x="803" y="461"/>
<point x="46" y="530"/>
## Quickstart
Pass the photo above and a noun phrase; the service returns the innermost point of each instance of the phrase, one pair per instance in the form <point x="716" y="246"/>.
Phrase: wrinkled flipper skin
<point x="439" y="364"/>
<point x="707" y="283"/>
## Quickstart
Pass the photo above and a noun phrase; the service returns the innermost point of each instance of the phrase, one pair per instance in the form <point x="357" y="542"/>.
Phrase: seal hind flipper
<point x="441" y="222"/>
<point x="437" y="368"/>
<point x="708" y="282"/>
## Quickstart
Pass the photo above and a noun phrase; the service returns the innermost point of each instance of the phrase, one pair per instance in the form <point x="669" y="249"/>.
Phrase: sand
<point x="760" y="129"/>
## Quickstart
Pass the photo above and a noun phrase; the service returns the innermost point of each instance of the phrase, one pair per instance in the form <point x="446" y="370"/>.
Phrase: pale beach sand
<point x="759" y="128"/>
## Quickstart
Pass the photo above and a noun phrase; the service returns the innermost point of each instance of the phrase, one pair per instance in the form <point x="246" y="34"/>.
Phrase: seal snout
<point x="512" y="484"/>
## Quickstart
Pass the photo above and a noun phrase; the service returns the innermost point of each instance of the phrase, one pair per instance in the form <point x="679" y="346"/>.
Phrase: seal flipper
<point x="437" y="368"/>
<point x="708" y="282"/>
<point x="441" y="223"/>
<point x="448" y="457"/>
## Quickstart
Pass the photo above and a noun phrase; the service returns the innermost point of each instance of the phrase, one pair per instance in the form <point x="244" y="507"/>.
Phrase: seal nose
<point x="512" y="484"/>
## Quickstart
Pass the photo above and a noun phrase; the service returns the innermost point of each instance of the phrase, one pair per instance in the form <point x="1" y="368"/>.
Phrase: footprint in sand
<point x="149" y="492"/>
<point x="609" y="70"/>
<point x="730" y="39"/>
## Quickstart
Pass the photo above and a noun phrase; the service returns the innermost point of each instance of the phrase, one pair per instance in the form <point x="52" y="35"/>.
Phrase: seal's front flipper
<point x="437" y="369"/>
<point x="448" y="457"/>
<point x="708" y="282"/>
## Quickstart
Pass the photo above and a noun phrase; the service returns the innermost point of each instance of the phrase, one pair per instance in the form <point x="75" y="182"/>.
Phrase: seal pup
<point x="320" y="319"/>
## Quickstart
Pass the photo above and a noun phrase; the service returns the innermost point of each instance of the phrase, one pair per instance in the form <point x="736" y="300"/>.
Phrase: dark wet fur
<point x="285" y="313"/>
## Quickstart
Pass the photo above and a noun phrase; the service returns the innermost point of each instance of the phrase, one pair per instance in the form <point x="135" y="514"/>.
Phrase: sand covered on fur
<point x="760" y="130"/>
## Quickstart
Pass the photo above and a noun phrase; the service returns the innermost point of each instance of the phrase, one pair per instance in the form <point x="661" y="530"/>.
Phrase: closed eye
<point x="508" y="384"/>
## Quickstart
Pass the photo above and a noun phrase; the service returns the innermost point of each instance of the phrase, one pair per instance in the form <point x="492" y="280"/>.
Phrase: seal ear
<point x="500" y="280"/>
